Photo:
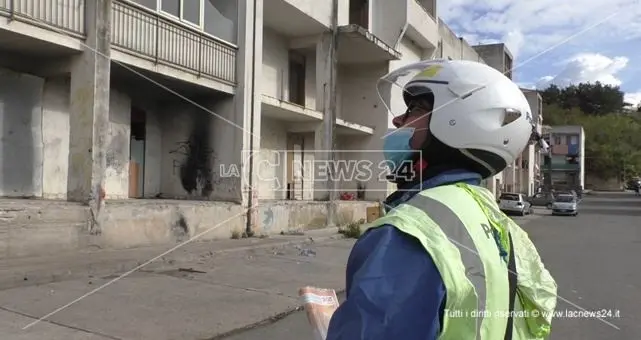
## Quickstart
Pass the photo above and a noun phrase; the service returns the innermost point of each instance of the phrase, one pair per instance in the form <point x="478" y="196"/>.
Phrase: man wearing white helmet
<point x="445" y="262"/>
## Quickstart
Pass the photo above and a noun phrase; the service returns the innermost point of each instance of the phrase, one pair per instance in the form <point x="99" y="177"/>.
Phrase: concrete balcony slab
<point x="358" y="45"/>
<point x="26" y="38"/>
<point x="286" y="111"/>
<point x="352" y="129"/>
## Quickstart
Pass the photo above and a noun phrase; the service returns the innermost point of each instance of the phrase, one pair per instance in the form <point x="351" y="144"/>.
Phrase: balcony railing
<point x="62" y="15"/>
<point x="146" y="34"/>
<point x="561" y="167"/>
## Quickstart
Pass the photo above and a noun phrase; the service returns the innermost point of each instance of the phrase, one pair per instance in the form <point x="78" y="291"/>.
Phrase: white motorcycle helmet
<point x="477" y="110"/>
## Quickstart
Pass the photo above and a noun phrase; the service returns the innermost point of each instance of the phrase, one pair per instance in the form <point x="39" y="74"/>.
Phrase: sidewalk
<point x="199" y="291"/>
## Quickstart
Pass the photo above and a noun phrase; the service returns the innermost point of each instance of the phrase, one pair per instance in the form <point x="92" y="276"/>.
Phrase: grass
<point x="353" y="229"/>
<point x="237" y="234"/>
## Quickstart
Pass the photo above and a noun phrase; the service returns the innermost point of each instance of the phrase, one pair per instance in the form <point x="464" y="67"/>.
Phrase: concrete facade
<point x="158" y="126"/>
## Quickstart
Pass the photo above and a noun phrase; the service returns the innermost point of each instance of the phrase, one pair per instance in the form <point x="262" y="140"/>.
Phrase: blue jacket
<point x="393" y="288"/>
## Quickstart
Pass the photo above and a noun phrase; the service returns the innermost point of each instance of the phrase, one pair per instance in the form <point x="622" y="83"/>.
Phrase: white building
<point x="166" y="99"/>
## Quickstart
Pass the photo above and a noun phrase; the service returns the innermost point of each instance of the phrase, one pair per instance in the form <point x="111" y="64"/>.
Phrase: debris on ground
<point x="191" y="270"/>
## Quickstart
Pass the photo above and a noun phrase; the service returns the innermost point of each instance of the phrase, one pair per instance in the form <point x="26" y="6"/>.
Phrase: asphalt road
<point x="595" y="258"/>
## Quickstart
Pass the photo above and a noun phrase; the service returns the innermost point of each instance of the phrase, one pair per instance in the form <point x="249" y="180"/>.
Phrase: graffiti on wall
<point x="195" y="162"/>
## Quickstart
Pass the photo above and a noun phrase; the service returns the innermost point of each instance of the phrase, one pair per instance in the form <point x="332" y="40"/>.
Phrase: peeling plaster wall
<point x="117" y="173"/>
<point x="284" y="216"/>
<point x="55" y="137"/>
<point x="272" y="171"/>
<point x="21" y="152"/>
<point x="148" y="223"/>
<point x="44" y="227"/>
<point x="35" y="138"/>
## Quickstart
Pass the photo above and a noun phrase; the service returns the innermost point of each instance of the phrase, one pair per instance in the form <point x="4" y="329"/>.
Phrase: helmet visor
<point x="392" y="88"/>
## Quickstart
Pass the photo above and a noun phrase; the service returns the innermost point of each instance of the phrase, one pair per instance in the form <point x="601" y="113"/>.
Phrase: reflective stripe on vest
<point x="457" y="233"/>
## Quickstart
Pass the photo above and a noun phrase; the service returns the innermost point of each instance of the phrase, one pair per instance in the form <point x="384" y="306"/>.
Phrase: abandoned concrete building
<point x="157" y="105"/>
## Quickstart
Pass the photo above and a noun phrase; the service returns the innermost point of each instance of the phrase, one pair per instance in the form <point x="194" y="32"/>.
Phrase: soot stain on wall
<point x="196" y="167"/>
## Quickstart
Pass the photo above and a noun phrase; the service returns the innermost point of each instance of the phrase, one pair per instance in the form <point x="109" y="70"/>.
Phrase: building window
<point x="171" y="7"/>
<point x="192" y="11"/>
<point x="508" y="66"/>
<point x="557" y="140"/>
<point x="574" y="140"/>
<point x="222" y="19"/>
<point x="216" y="17"/>
<point x="189" y="11"/>
<point x="151" y="4"/>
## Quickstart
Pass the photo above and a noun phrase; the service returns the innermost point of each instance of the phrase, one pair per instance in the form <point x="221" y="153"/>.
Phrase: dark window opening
<point x="297" y="79"/>
<point x="359" y="13"/>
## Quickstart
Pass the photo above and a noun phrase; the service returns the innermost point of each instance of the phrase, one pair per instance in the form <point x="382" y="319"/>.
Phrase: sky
<point x="558" y="41"/>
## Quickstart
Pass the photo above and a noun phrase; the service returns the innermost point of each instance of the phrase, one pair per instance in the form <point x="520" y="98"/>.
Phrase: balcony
<point x="289" y="112"/>
<point x="561" y="167"/>
<point x="345" y="128"/>
<point x="59" y="15"/>
<point x="422" y="25"/>
<point x="42" y="27"/>
<point x="358" y="45"/>
<point x="145" y="34"/>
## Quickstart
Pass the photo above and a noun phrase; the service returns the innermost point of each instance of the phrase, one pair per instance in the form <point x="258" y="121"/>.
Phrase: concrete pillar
<point x="248" y="98"/>
<point x="324" y="137"/>
<point x="89" y="110"/>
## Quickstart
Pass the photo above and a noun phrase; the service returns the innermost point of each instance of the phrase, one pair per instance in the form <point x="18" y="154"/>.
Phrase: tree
<point x="590" y="98"/>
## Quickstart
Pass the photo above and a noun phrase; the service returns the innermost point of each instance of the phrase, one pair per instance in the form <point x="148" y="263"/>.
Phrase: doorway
<point x="359" y="13"/>
<point x="137" y="147"/>
<point x="295" y="147"/>
<point x="297" y="79"/>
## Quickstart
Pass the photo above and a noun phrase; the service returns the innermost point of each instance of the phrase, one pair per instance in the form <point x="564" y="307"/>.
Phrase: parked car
<point x="542" y="199"/>
<point x="569" y="192"/>
<point x="565" y="204"/>
<point x="632" y="184"/>
<point x="514" y="203"/>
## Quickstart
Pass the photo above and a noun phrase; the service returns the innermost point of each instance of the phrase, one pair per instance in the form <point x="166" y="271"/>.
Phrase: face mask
<point x="397" y="147"/>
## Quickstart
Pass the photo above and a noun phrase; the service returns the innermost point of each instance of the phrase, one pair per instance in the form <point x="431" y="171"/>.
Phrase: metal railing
<point x="146" y="34"/>
<point x="67" y="15"/>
